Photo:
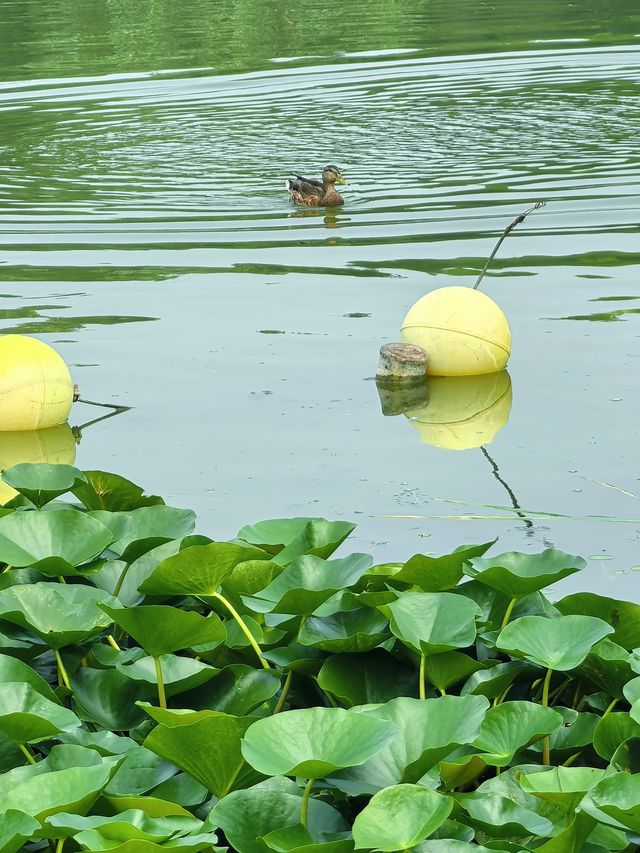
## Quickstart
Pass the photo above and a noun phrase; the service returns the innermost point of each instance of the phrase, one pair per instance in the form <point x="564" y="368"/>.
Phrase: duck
<point x="317" y="193"/>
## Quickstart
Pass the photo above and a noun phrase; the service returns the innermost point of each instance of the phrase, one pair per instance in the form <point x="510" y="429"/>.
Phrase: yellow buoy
<point x="36" y="389"/>
<point x="462" y="330"/>
<point x="56" y="445"/>
<point x="463" y="411"/>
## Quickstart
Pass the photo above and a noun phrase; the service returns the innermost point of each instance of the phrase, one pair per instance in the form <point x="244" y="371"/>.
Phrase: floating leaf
<point x="428" y="730"/>
<point x="288" y="538"/>
<point x="372" y="677"/>
<point x="16" y="827"/>
<point x="448" y="668"/>
<point x="494" y="680"/>
<point x="246" y="816"/>
<point x="516" y="574"/>
<point x="616" y="800"/>
<point x="237" y="690"/>
<point x="399" y="817"/>
<point x="563" y="786"/>
<point x="438" y="574"/>
<point x="112" y="492"/>
<point x="161" y="630"/>
<point x="157" y="523"/>
<point x="198" y="570"/>
<point x="205" y="743"/>
<point x="41" y="482"/>
<point x="178" y="673"/>
<point x="307" y="583"/>
<point x="510" y="727"/>
<point x="12" y="669"/>
<point x="500" y="817"/>
<point x="313" y="742"/>
<point x="434" y="622"/>
<point x="26" y="716"/>
<point x="347" y="631"/>
<point x="107" y="698"/>
<point x="60" y="614"/>
<point x="624" y="616"/>
<point x="54" y="543"/>
<point x="612" y="731"/>
<point x="609" y="667"/>
<point x="559" y="644"/>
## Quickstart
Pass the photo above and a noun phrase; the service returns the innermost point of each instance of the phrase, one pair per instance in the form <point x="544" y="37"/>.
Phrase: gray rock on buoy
<point x="401" y="363"/>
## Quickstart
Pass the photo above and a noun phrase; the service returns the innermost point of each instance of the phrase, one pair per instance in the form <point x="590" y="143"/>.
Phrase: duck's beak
<point x="341" y="180"/>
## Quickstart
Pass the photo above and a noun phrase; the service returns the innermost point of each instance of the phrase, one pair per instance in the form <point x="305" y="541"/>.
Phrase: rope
<point x="506" y="233"/>
<point x="78" y="399"/>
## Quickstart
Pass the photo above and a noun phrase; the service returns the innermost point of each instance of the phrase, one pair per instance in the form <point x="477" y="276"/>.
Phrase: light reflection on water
<point x="146" y="196"/>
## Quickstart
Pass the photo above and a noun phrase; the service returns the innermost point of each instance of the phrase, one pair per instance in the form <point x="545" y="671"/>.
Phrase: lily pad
<point x="516" y="574"/>
<point x="559" y="644"/>
<point x="161" y="630"/>
<point x="624" y="616"/>
<point x="16" y="827"/>
<point x="347" y="631"/>
<point x="205" y="743"/>
<point x="54" y="543"/>
<point x="307" y="583"/>
<point x="60" y="614"/>
<point x="178" y="673"/>
<point x="112" y="492"/>
<point x="438" y="574"/>
<point x="433" y="622"/>
<point x="288" y="538"/>
<point x="26" y="716"/>
<point x="42" y="482"/>
<point x="399" y="817"/>
<point x="313" y="742"/>
<point x="508" y="728"/>
<point x="375" y="676"/>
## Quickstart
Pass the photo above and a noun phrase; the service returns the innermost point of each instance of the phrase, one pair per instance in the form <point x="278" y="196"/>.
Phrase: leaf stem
<point x="545" y="701"/>
<point x="26" y="753"/>
<point x="120" y="581"/>
<point x="162" y="696"/>
<point x="507" y="613"/>
<point x="610" y="707"/>
<point x="283" y="694"/>
<point x="63" y="676"/>
<point x="304" y="812"/>
<point x="60" y="845"/>
<point x="243" y="627"/>
<point x="422" y="683"/>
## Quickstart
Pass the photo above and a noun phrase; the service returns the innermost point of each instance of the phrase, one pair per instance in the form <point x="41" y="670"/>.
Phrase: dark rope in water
<point x="505" y="234"/>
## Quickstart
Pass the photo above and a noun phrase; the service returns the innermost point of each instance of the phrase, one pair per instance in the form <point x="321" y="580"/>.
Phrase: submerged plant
<point x="162" y="690"/>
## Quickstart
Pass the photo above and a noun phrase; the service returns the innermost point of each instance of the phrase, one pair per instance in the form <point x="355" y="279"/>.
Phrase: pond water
<point x="146" y="234"/>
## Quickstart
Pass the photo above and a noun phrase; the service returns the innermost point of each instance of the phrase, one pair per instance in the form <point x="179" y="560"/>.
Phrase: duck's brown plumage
<point x="316" y="193"/>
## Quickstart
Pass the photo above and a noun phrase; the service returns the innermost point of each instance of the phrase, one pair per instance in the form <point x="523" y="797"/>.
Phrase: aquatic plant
<point x="159" y="689"/>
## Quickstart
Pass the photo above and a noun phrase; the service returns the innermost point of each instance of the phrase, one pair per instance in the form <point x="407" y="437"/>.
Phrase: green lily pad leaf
<point x="104" y="743"/>
<point x="446" y="845"/>
<point x="627" y="756"/>
<point x="516" y="574"/>
<point x="576" y="731"/>
<point x="558" y="644"/>
<point x="140" y="772"/>
<point x="494" y="680"/>
<point x="297" y="658"/>
<point x="132" y="823"/>
<point x="573" y="839"/>
<point x="237" y="690"/>
<point x="428" y="730"/>
<point x="363" y="678"/>
<point x="198" y="570"/>
<point x="182" y="789"/>
<point x="16" y="827"/>
<point x="159" y="523"/>
<point x="346" y="631"/>
<point x="297" y="839"/>
<point x="609" y="667"/>
<point x="438" y="574"/>
<point x="508" y="728"/>
<point x="313" y="742"/>
<point x="399" y="817"/>
<point x="563" y="786"/>
<point x="41" y="482"/>
<point x="95" y="841"/>
<point x="119" y="523"/>
<point x="161" y="630"/>
<point x="624" y="616"/>
<point x="616" y="801"/>
<point x="612" y="731"/>
<point x="178" y="673"/>
<point x="500" y="817"/>
<point x="249" y="815"/>
<point x="45" y="788"/>
<point x="60" y="614"/>
<point x="107" y="698"/>
<point x="142" y="566"/>
<point x="12" y="669"/>
<point x="448" y="668"/>
<point x="307" y="583"/>
<point x="112" y="492"/>
<point x="206" y="744"/>
<point x="152" y="806"/>
<point x="433" y="622"/>
<point x="54" y="543"/>
<point x="249" y="577"/>
<point x="26" y="716"/>
<point x="288" y="538"/>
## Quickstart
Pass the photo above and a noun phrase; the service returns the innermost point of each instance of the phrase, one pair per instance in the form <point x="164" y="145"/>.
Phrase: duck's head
<point x="333" y="175"/>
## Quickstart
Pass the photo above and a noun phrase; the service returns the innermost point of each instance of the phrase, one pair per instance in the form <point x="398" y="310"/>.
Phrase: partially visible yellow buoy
<point x="463" y="411"/>
<point x="56" y="445"/>
<point x="36" y="389"/>
<point x="462" y="330"/>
